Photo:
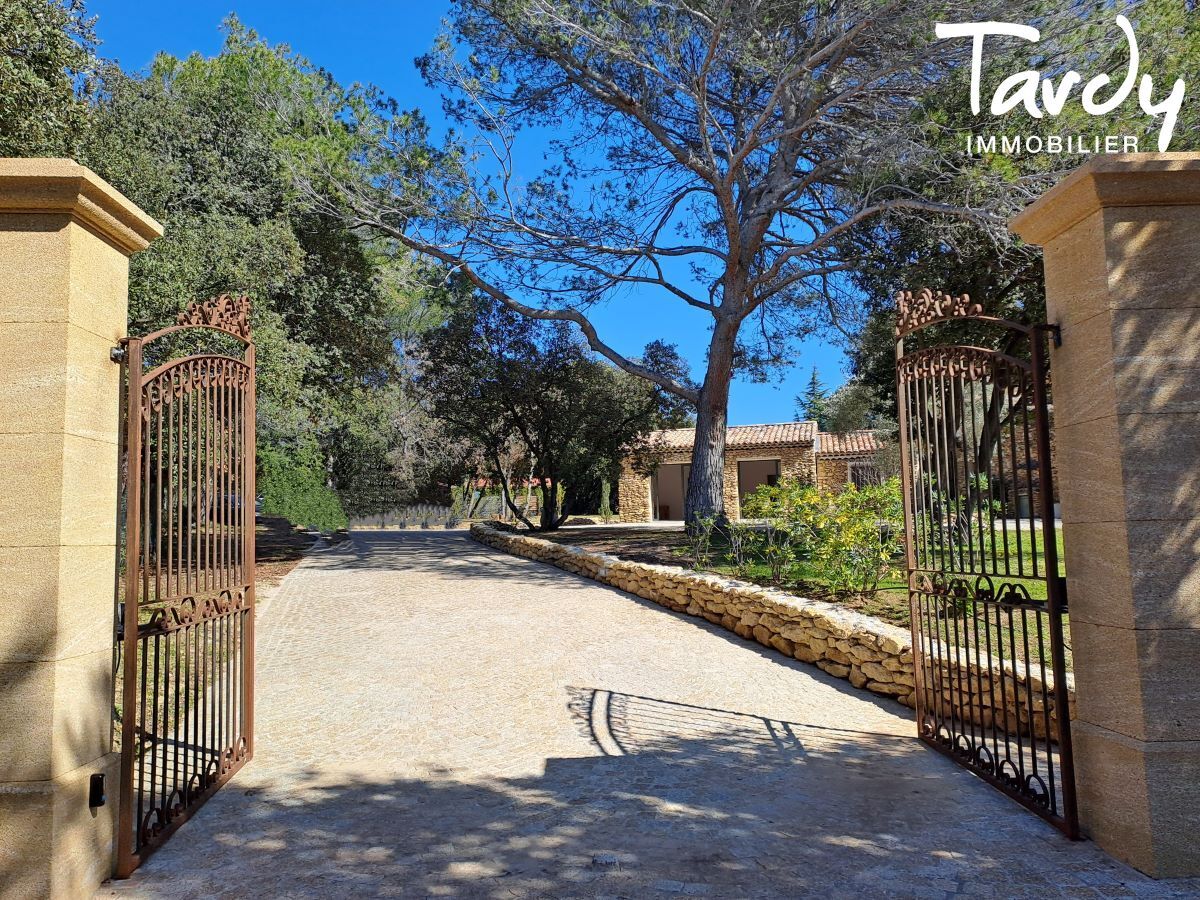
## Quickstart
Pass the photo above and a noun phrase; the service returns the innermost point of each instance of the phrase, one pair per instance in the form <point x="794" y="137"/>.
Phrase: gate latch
<point x="117" y="354"/>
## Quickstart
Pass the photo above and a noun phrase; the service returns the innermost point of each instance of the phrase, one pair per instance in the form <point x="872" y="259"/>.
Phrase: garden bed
<point x="668" y="546"/>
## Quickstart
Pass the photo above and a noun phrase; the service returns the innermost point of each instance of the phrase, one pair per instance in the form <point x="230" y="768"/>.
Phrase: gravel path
<point x="439" y="719"/>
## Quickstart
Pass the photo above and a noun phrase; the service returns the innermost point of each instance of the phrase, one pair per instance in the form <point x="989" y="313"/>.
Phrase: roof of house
<point x="742" y="437"/>
<point x="850" y="443"/>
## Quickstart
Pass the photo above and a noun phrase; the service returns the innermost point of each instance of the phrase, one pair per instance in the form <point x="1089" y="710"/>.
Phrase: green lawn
<point x="889" y="602"/>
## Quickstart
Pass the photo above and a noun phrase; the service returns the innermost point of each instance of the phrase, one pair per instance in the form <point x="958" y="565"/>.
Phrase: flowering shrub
<point x="848" y="539"/>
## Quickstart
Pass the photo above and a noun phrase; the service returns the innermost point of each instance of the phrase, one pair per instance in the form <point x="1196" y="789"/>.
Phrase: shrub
<point x="776" y="548"/>
<point x="859" y="538"/>
<point x="606" y="511"/>
<point x="849" y="538"/>
<point x="293" y="485"/>
<point x="741" y="545"/>
<point x="699" y="539"/>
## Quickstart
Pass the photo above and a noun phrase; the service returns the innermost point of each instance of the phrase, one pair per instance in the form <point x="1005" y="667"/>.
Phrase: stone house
<point x="754" y="455"/>
<point x="848" y="458"/>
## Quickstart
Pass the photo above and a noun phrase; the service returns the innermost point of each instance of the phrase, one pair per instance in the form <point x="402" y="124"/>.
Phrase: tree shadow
<point x="57" y="703"/>
<point x="678" y="799"/>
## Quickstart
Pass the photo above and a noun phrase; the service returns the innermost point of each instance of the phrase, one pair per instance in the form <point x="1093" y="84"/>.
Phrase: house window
<point x="755" y="472"/>
<point x="862" y="474"/>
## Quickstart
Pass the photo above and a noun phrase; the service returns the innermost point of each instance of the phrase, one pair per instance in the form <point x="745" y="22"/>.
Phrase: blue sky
<point x="377" y="42"/>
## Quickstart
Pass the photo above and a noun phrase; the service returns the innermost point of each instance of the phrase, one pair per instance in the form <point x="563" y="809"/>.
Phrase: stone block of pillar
<point x="65" y="241"/>
<point x="1121" y="238"/>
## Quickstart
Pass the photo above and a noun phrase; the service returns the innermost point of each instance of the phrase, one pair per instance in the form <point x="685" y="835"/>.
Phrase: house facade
<point x="754" y="455"/>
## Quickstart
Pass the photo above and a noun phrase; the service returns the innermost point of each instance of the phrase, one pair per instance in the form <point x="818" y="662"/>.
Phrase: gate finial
<point x="225" y="312"/>
<point x="925" y="307"/>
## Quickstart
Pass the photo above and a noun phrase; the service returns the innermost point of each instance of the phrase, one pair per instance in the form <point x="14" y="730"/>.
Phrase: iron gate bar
<point x="187" y="635"/>
<point x="974" y="433"/>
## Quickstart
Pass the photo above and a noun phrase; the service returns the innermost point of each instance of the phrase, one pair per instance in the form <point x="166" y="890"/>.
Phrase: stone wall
<point x="867" y="652"/>
<point x="832" y="474"/>
<point x="633" y="490"/>
<point x="633" y="495"/>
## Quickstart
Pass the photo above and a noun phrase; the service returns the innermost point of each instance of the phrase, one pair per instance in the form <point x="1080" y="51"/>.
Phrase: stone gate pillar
<point x="1122" y="255"/>
<point x="65" y="241"/>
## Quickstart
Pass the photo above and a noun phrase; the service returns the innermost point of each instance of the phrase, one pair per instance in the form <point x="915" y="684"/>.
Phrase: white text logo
<point x="1021" y="89"/>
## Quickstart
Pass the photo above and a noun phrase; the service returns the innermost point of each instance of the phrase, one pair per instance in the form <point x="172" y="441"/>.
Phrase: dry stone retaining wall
<point x="869" y="653"/>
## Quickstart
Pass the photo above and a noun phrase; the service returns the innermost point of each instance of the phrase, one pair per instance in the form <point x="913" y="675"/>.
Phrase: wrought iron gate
<point x="186" y="697"/>
<point x="986" y="592"/>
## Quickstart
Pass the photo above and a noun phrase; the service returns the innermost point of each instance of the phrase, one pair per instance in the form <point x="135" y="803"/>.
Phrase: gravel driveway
<point x="436" y="718"/>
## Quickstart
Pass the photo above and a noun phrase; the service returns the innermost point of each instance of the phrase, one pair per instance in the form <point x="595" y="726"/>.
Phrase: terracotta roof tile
<point x="742" y="437"/>
<point x="850" y="443"/>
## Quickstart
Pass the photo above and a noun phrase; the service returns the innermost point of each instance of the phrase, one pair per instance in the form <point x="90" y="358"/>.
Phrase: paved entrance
<point x="436" y="718"/>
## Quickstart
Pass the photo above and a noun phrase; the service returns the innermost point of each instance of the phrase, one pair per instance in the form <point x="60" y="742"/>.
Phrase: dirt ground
<point x="661" y="546"/>
<point x="279" y="547"/>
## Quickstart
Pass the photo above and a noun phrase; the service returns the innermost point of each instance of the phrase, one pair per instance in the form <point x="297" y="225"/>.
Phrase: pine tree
<point x="814" y="402"/>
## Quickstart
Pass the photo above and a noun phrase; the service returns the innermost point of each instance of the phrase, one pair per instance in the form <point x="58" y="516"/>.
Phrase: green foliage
<point x="528" y="396"/>
<point x="777" y="548"/>
<point x="857" y="405"/>
<point x="813" y="404"/>
<point x="846" y="539"/>
<point x="740" y="536"/>
<point x="664" y="358"/>
<point x="605" y="508"/>
<point x="699" y="540"/>
<point x="201" y="144"/>
<point x="208" y="147"/>
<point x="291" y="486"/>
<point x="47" y="62"/>
<point x="978" y="255"/>
<point x="858" y="537"/>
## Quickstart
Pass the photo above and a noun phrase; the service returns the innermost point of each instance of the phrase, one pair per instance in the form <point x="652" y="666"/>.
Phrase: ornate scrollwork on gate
<point x="981" y="589"/>
<point x="971" y="363"/>
<point x="189" y="611"/>
<point x="925" y="307"/>
<point x="225" y="312"/>
<point x="182" y="379"/>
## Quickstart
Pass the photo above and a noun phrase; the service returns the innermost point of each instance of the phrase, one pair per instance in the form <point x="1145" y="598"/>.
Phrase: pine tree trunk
<point x="706" y="482"/>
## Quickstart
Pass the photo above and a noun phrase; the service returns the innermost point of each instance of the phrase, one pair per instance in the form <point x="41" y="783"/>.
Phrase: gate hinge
<point x="1055" y="334"/>
<point x="118" y="354"/>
